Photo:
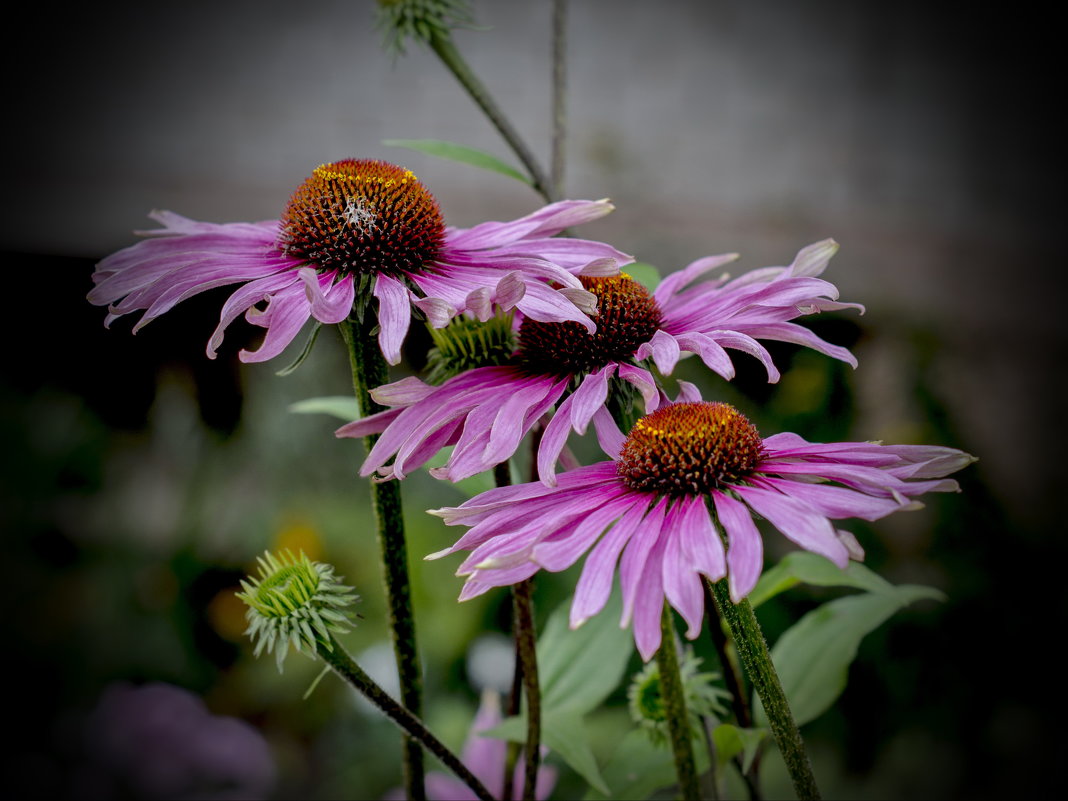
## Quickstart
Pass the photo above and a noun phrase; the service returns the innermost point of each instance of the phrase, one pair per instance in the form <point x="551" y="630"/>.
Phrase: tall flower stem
<point x="753" y="651"/>
<point x="559" y="99"/>
<point x="344" y="665"/>
<point x="526" y="667"/>
<point x="732" y="677"/>
<point x="369" y="370"/>
<point x="451" y="58"/>
<point x="674" y="700"/>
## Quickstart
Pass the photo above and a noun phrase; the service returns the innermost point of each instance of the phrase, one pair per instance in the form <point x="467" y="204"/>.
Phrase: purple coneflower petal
<point x="798" y="521"/>
<point x="595" y="584"/>
<point x="648" y="599"/>
<point x="330" y="296"/>
<point x="286" y="313"/>
<point x="394" y="316"/>
<point x="745" y="552"/>
<point x="632" y="564"/>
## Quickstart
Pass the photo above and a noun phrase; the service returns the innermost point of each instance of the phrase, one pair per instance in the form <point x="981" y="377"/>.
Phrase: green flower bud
<point x="297" y="602"/>
<point x="702" y="697"/>
<point x="420" y="19"/>
<point x="465" y="344"/>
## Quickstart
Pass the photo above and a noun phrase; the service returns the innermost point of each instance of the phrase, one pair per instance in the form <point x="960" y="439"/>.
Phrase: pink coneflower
<point x="485" y="412"/>
<point x="355" y="228"/>
<point x="484" y="757"/>
<point x="651" y="510"/>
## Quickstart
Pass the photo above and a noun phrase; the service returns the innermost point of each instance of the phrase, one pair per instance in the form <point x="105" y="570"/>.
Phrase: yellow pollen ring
<point x="323" y="171"/>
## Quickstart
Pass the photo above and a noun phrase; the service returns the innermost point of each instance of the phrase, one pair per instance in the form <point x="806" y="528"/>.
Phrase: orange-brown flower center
<point x="627" y="316"/>
<point x="363" y="216"/>
<point x="689" y="449"/>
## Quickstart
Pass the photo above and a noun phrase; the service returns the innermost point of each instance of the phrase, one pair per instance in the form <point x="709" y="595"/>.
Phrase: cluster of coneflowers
<point x="540" y="335"/>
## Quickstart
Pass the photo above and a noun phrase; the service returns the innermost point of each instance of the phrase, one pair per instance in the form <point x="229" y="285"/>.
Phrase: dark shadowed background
<point x="140" y="479"/>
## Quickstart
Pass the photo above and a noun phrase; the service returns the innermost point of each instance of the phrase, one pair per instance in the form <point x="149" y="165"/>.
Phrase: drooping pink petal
<point x="798" y="521"/>
<point x="330" y="297"/>
<point x="372" y="424"/>
<point x="286" y="313"/>
<point x="745" y="551"/>
<point x="545" y="222"/>
<point x="663" y="348"/>
<point x="648" y="603"/>
<point x="394" y="315"/>
<point x="243" y="299"/>
<point x="559" y="554"/>
<point x="632" y="564"/>
<point x="681" y="583"/>
<point x="595" y="584"/>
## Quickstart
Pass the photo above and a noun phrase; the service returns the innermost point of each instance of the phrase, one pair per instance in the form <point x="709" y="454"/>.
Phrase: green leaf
<point x="342" y="406"/>
<point x="461" y="153"/>
<point x="637" y="768"/>
<point x="565" y="734"/>
<point x="731" y="740"/>
<point x="812" y="657"/>
<point x="578" y="669"/>
<point x="640" y="766"/>
<point x="811" y="568"/>
<point x="645" y="274"/>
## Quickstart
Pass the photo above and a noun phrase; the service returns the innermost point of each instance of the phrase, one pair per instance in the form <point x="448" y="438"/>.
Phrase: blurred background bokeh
<point x="140" y="479"/>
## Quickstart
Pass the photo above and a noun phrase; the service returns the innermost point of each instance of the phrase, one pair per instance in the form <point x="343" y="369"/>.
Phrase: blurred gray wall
<point x="915" y="137"/>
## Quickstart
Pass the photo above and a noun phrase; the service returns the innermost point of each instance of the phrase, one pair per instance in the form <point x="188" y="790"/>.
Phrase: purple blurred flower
<point x="160" y="741"/>
<point x="353" y="228"/>
<point x="654" y="501"/>
<point x="484" y="757"/>
<point x="485" y="412"/>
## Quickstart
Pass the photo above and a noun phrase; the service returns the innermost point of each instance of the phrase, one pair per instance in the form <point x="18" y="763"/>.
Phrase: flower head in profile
<point x="485" y="412"/>
<point x="352" y="230"/>
<point x="684" y="482"/>
<point x="484" y="757"/>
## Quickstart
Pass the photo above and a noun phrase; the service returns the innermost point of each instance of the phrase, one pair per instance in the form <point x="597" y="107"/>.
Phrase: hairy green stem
<point x="732" y="677"/>
<point x="674" y="700"/>
<point x="369" y="370"/>
<point x="559" y="94"/>
<point x="753" y="651"/>
<point x="441" y="43"/>
<point x="344" y="665"/>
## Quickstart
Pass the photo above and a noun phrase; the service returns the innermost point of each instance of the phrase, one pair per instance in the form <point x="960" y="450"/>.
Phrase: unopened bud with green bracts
<point x="646" y="702"/>
<point x="295" y="601"/>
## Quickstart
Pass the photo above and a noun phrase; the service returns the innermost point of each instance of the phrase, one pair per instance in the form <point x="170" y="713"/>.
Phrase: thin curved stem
<point x="753" y="651"/>
<point x="442" y="44"/>
<point x="559" y="94"/>
<point x="369" y="370"/>
<point x="674" y="700"/>
<point x="344" y="665"/>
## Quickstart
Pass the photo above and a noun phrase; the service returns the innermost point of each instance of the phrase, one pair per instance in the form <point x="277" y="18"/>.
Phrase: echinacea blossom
<point x="686" y="480"/>
<point x="354" y="228"/>
<point x="485" y="412"/>
<point x="484" y="757"/>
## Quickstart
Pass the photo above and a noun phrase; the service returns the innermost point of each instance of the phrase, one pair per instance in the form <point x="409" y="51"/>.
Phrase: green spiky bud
<point x="297" y="602"/>
<point x="646" y="702"/>
<point x="420" y="19"/>
<point x="465" y="344"/>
